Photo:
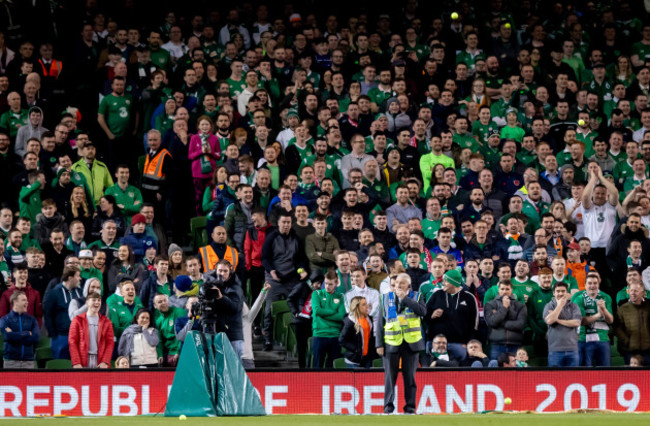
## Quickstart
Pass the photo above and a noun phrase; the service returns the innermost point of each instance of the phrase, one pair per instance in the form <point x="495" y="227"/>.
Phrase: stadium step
<point x="277" y="358"/>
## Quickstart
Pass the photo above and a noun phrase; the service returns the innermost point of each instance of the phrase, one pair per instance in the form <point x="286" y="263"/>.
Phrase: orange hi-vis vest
<point x="55" y="68"/>
<point x="153" y="170"/>
<point x="210" y="258"/>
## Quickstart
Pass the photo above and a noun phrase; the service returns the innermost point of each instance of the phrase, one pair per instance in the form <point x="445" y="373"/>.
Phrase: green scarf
<point x="515" y="251"/>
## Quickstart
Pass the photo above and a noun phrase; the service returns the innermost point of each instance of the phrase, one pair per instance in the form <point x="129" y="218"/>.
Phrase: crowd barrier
<point x="140" y="392"/>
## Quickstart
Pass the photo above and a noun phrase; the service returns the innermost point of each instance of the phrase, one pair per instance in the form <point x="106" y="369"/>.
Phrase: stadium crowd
<point x="492" y="157"/>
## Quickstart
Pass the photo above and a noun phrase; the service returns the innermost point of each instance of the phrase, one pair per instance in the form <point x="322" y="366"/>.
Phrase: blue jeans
<point x="60" y="348"/>
<point x="238" y="346"/>
<point x="321" y="346"/>
<point x="479" y="364"/>
<point x="496" y="350"/>
<point x="563" y="359"/>
<point x="594" y="354"/>
<point x="457" y="350"/>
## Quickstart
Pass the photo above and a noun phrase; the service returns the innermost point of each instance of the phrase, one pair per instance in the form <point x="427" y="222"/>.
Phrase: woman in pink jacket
<point x="204" y="151"/>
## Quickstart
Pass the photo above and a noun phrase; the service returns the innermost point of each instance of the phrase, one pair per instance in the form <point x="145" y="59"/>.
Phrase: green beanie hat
<point x="453" y="277"/>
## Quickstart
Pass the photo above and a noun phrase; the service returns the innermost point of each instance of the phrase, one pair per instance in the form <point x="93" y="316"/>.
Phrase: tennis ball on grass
<point x="182" y="417"/>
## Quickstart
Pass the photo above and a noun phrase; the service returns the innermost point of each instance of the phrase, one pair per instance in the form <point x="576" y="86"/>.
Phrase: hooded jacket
<point x="459" y="320"/>
<point x="56" y="305"/>
<point x="29" y="131"/>
<point x="45" y="225"/>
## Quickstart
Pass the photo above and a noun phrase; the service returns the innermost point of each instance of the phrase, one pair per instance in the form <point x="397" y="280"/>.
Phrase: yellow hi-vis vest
<point x="400" y="327"/>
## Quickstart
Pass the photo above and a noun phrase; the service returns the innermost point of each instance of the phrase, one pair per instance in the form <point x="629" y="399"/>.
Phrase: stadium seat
<point x="43" y="342"/>
<point x="198" y="234"/>
<point x="42" y="355"/>
<point x="310" y="356"/>
<point x="285" y="321"/>
<point x="340" y="363"/>
<point x="278" y="308"/>
<point x="292" y="345"/>
<point x="58" y="364"/>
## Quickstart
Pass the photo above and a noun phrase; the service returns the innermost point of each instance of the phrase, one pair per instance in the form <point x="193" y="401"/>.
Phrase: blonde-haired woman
<point x="78" y="208"/>
<point x="357" y="336"/>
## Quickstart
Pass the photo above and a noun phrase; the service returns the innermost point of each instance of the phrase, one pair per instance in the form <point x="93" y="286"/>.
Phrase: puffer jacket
<point x="506" y="325"/>
<point x="19" y="342"/>
<point x="236" y="224"/>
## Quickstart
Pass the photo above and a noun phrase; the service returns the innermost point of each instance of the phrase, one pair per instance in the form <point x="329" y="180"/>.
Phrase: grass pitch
<point x="491" y="419"/>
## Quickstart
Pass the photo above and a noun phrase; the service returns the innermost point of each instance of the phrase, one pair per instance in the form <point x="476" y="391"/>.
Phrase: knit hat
<point x="565" y="168"/>
<point x="453" y="277"/>
<point x="183" y="283"/>
<point x="493" y="132"/>
<point x="138" y="218"/>
<point x="293" y="112"/>
<point x="173" y="248"/>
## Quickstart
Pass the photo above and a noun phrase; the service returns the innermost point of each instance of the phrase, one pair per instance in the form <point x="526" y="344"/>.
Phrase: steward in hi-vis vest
<point x="399" y="336"/>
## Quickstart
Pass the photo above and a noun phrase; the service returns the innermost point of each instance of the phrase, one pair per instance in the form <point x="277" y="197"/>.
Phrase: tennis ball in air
<point x="507" y="25"/>
<point x="184" y="417"/>
<point x="454" y="15"/>
<point x="507" y="401"/>
<point x="581" y="122"/>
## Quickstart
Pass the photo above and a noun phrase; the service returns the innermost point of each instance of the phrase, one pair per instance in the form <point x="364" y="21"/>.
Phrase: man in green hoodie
<point x="328" y="312"/>
<point x="169" y="348"/>
<point x="30" y="196"/>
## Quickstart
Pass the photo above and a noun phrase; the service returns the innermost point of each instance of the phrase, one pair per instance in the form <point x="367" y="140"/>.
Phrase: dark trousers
<point x="277" y="292"/>
<point x="303" y="331"/>
<point x="256" y="275"/>
<point x="325" y="346"/>
<point x="391" y="368"/>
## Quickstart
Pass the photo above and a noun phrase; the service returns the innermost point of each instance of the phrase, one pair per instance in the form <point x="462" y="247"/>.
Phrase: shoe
<point x="268" y="346"/>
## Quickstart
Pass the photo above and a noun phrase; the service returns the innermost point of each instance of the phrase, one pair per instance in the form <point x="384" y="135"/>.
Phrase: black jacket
<point x="296" y="300"/>
<point x="353" y="342"/>
<point x="459" y="319"/>
<point x="229" y="306"/>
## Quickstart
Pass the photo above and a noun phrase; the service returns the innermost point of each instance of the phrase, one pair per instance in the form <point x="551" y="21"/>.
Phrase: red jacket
<point x="253" y="246"/>
<point x="79" y="338"/>
<point x="34" y="306"/>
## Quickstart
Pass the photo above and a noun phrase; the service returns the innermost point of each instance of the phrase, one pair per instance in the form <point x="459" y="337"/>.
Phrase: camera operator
<point x="223" y="292"/>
